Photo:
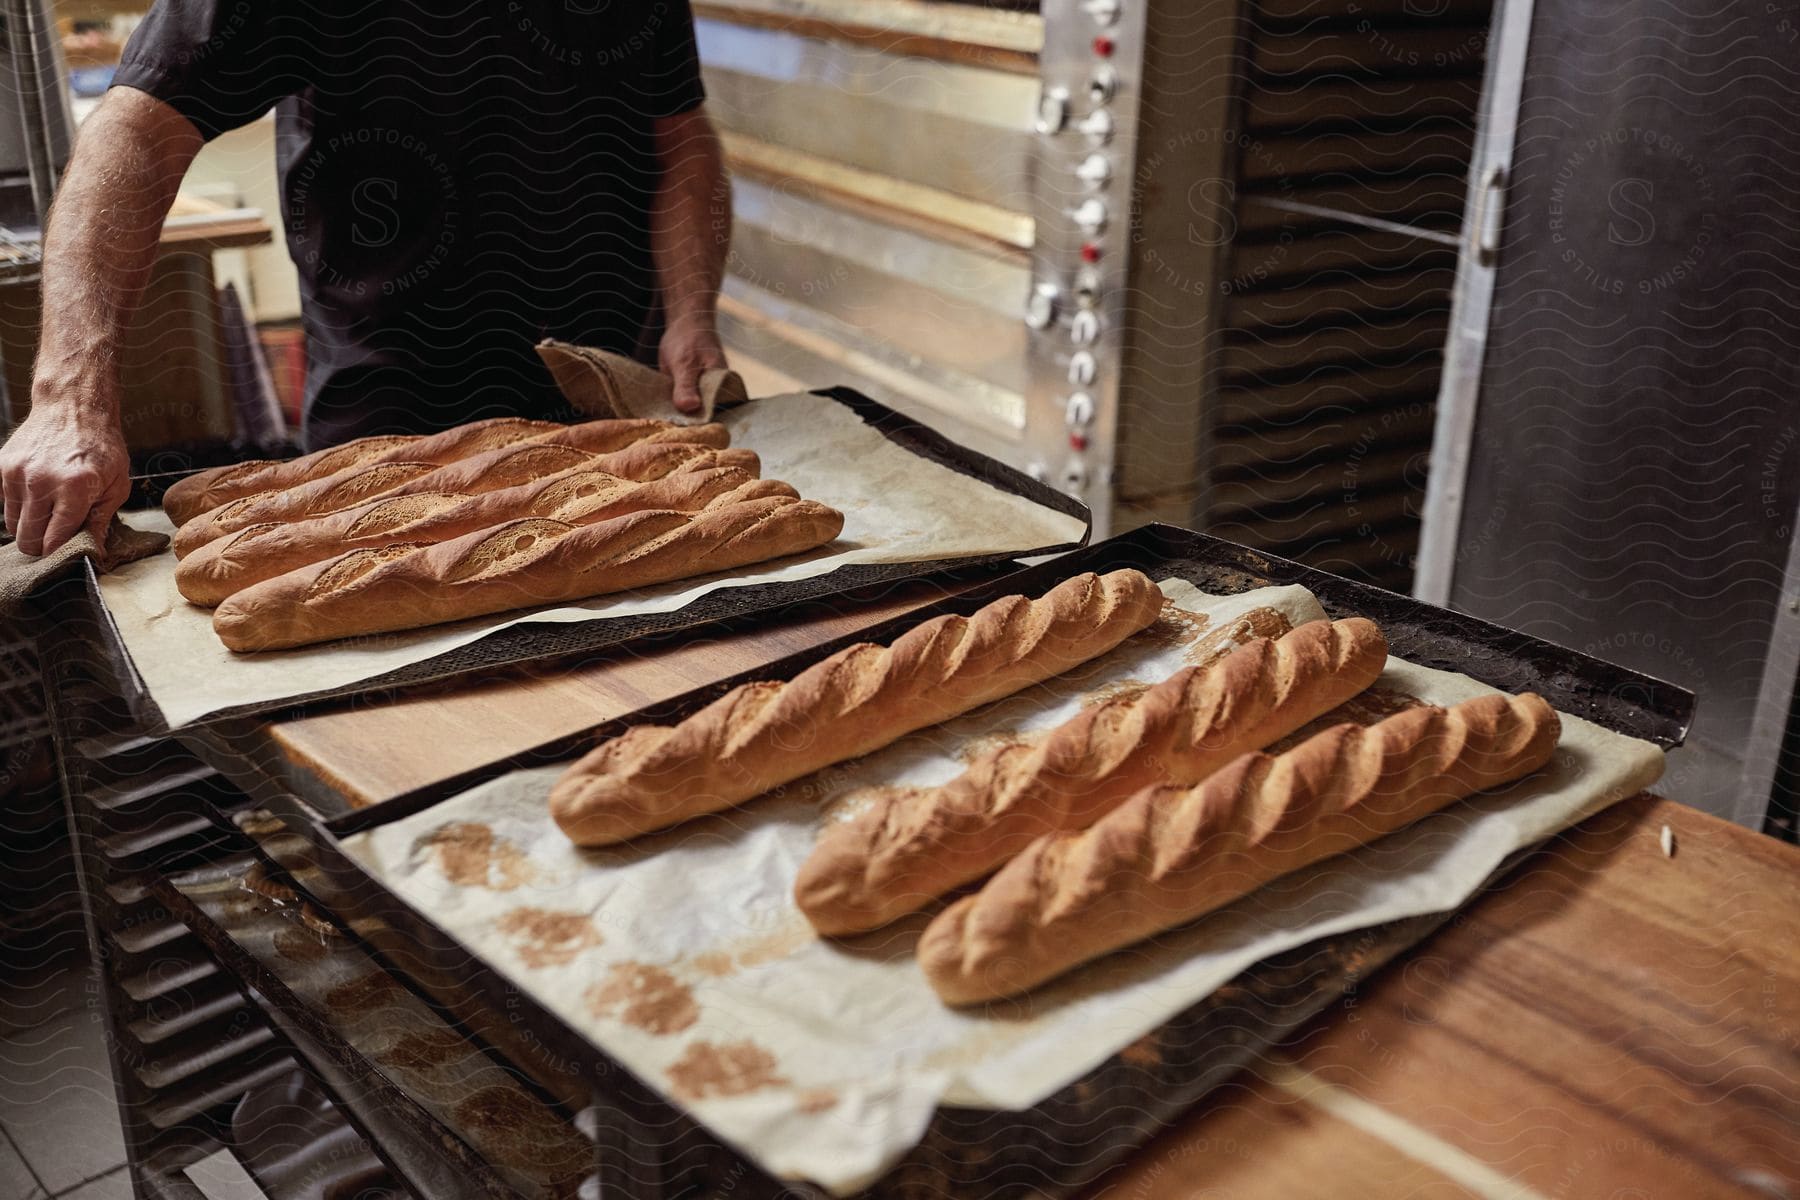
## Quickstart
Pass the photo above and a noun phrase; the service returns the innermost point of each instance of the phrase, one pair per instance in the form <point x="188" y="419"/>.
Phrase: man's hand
<point x="688" y="348"/>
<point x="64" y="469"/>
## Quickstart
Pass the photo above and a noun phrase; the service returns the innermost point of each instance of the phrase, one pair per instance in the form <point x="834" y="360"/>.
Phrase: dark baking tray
<point x="535" y="643"/>
<point x="1074" y="1135"/>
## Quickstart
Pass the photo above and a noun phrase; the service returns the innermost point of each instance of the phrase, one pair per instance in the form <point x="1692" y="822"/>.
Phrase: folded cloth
<point x="21" y="575"/>
<point x="603" y="384"/>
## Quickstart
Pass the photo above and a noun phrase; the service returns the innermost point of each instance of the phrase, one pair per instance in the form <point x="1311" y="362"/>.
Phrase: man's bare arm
<point x="66" y="466"/>
<point x="690" y="234"/>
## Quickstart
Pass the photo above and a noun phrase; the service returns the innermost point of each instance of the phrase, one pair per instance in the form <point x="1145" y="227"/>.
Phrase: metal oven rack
<point x="194" y="1056"/>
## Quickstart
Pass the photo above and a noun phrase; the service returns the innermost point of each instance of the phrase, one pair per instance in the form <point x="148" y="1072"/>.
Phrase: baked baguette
<point x="516" y="565"/>
<point x="507" y="467"/>
<point x="577" y="497"/>
<point x="910" y="845"/>
<point x="1169" y="855"/>
<point x="765" y="734"/>
<point x="206" y="490"/>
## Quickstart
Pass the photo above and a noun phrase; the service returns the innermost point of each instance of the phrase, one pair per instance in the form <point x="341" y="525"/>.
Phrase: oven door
<point x="881" y="166"/>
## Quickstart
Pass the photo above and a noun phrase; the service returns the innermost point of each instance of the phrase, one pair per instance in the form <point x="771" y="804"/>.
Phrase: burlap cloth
<point x="603" y="384"/>
<point x="22" y="576"/>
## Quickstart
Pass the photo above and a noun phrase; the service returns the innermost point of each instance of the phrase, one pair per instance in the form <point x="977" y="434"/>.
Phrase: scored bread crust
<point x="206" y="490"/>
<point x="579" y="496"/>
<point x="649" y="458"/>
<point x="520" y="564"/>
<point x="762" y="735"/>
<point x="907" y="846"/>
<point x="1170" y="855"/>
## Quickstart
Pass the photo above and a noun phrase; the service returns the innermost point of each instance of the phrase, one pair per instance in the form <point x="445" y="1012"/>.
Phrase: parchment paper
<point x="897" y="507"/>
<point x="840" y="1050"/>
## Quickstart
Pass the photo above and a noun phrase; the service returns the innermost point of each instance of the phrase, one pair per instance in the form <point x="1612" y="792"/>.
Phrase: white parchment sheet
<point x="897" y="507"/>
<point x="684" y="957"/>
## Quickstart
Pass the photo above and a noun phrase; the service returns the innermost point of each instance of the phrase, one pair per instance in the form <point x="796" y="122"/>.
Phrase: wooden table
<point x="1609" y="1023"/>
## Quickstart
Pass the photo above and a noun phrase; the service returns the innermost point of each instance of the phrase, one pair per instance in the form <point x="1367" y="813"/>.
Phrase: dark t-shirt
<point x="459" y="180"/>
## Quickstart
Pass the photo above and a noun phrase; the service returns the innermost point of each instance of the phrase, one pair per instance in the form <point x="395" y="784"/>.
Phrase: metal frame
<point x="1774" y="699"/>
<point x="1459" y="392"/>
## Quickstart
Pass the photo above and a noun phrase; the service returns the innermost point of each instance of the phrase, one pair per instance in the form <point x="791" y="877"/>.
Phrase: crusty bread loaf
<point x="765" y="734"/>
<point x="1169" y="855"/>
<point x="907" y="846"/>
<point x="578" y="497"/>
<point x="509" y="466"/>
<point x="206" y="490"/>
<point x="516" y="565"/>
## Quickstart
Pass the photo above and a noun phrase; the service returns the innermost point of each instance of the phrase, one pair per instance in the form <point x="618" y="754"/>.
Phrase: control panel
<point x="1087" y="109"/>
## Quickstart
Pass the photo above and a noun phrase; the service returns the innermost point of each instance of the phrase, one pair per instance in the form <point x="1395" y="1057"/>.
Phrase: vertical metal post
<point x="1774" y="698"/>
<point x="1459" y="391"/>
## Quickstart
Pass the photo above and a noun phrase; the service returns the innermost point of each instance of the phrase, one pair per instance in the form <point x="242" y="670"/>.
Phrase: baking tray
<point x="1069" y="1139"/>
<point x="536" y="643"/>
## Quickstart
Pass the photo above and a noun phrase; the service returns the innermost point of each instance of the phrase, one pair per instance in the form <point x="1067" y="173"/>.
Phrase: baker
<point x="458" y="182"/>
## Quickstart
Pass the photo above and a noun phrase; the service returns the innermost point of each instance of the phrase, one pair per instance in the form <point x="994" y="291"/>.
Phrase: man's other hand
<point x="688" y="348"/>
<point x="62" y="471"/>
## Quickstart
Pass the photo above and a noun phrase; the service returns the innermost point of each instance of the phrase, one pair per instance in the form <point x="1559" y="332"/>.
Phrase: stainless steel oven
<point x="1189" y="262"/>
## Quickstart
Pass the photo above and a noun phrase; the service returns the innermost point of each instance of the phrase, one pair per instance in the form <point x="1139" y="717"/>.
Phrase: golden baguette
<point x="506" y="467"/>
<point x="578" y="497"/>
<point x="1169" y="855"/>
<point x="206" y="490"/>
<point x="762" y="735"/>
<point x="909" y="846"/>
<point x="520" y="564"/>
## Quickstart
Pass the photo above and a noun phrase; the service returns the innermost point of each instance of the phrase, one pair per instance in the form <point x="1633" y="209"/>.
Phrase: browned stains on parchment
<point x="1176" y="626"/>
<point x="709" y="1069"/>
<point x="716" y="963"/>
<point x="1257" y="623"/>
<point x="755" y="951"/>
<point x="645" y="997"/>
<point x="548" y="938"/>
<point x="471" y="856"/>
<point x="771" y="947"/>
<point x="815" y="1100"/>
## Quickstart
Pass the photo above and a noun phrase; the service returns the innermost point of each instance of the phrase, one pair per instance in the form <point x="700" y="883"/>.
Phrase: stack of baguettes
<point x="391" y="533"/>
<point x="1144" y="811"/>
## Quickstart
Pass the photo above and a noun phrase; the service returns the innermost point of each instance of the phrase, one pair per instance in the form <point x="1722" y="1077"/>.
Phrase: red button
<point x="1103" y="46"/>
<point x="1078" y="441"/>
<point x="1090" y="253"/>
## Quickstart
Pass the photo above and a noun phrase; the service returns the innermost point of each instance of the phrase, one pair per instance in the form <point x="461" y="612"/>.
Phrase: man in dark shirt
<point x="459" y="180"/>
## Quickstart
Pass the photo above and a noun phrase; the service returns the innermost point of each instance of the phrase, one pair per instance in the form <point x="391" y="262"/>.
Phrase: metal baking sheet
<point x="536" y="643"/>
<point x="1624" y="701"/>
<point x="1068" y="1140"/>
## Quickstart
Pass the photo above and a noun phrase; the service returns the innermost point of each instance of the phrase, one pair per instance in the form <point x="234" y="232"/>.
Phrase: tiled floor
<point x="59" y="1125"/>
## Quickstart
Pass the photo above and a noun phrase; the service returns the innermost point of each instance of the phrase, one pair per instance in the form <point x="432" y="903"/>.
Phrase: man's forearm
<point x="101" y="244"/>
<point x="691" y="223"/>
